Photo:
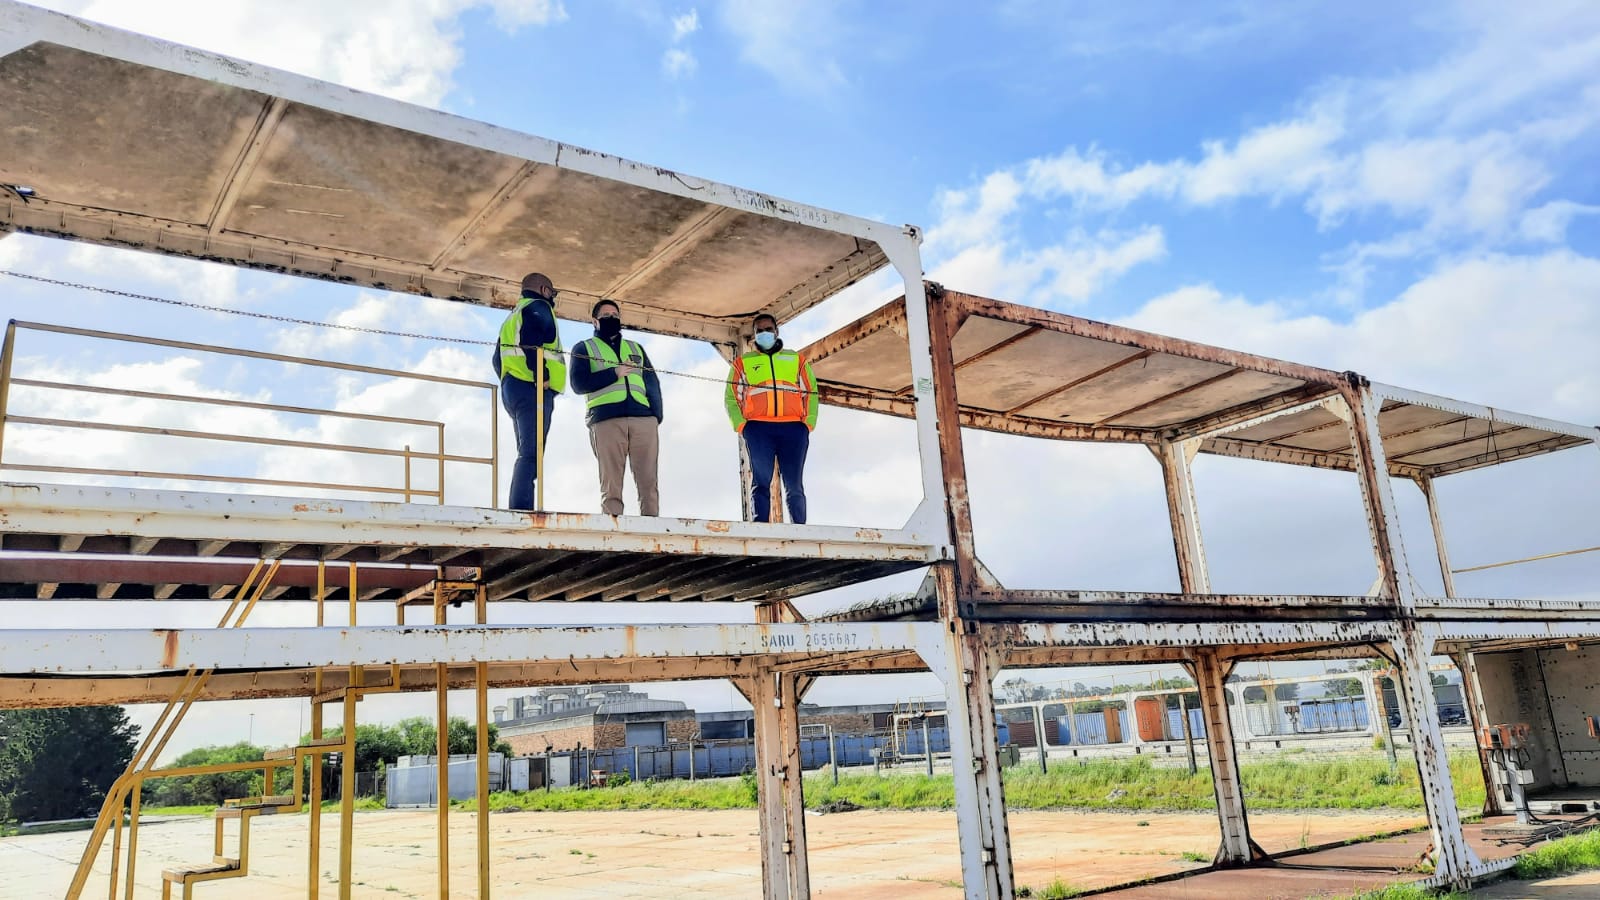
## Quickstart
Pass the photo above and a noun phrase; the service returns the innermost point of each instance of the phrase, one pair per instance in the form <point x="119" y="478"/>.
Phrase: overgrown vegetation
<point x="59" y="763"/>
<point x="1122" y="784"/>
<point x="1560" y="857"/>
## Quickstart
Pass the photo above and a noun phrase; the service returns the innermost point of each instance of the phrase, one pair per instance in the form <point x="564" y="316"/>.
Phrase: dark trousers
<point x="521" y="402"/>
<point x="783" y="443"/>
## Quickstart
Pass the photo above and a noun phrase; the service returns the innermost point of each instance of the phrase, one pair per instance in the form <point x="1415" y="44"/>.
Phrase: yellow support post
<point x="481" y="608"/>
<point x="7" y="352"/>
<point x="133" y="833"/>
<point x="442" y="748"/>
<point x="116" y="850"/>
<point x="347" y="759"/>
<point x="314" y="791"/>
<point x="538" y="429"/>
<point x="494" y="447"/>
<point x="347" y="791"/>
<point x="441" y="464"/>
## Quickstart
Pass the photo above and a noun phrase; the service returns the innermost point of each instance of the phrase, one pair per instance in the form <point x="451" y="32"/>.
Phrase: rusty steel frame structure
<point x="1089" y="381"/>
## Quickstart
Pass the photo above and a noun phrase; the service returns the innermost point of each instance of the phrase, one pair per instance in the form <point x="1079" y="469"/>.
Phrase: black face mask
<point x="610" y="326"/>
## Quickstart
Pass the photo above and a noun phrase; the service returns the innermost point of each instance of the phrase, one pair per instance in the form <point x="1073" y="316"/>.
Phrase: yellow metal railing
<point x="437" y="457"/>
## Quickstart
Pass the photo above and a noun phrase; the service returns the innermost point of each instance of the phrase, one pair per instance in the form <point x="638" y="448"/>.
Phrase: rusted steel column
<point x="1426" y="484"/>
<point x="1454" y="860"/>
<point x="780" y="800"/>
<point x="1210" y="674"/>
<point x="1176" y="458"/>
<point x="1473" y="690"/>
<point x="963" y="663"/>
<point x="1372" y="471"/>
<point x="944" y="319"/>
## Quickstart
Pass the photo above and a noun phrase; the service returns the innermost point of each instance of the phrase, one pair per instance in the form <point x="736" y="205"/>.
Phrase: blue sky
<point x="1408" y="193"/>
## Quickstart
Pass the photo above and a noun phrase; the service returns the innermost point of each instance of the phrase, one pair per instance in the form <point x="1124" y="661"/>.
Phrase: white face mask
<point x="766" y="339"/>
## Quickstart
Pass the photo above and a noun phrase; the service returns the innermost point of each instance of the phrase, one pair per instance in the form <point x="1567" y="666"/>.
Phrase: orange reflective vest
<point x="771" y="387"/>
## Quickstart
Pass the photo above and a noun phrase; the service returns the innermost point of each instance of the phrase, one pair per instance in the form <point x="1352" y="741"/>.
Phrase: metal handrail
<point x="438" y="455"/>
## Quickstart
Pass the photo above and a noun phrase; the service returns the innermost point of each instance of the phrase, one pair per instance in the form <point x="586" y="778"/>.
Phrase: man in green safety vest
<point x="530" y="326"/>
<point x="624" y="409"/>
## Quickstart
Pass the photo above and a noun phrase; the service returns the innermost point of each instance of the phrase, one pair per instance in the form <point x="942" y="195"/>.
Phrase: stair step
<point x="260" y="809"/>
<point x="318" y="744"/>
<point x="180" y="874"/>
<point x="268" y="800"/>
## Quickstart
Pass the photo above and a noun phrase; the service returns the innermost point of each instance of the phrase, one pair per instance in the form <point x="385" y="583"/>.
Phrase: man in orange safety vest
<point x="772" y="402"/>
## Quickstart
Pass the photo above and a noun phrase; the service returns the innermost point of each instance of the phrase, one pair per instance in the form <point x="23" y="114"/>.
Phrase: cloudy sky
<point x="1408" y="194"/>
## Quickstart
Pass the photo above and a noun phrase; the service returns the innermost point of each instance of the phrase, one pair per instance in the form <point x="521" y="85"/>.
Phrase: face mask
<point x="766" y="340"/>
<point x="610" y="326"/>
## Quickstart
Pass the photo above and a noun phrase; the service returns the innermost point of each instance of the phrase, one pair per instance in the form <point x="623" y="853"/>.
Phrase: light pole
<point x="250" y="736"/>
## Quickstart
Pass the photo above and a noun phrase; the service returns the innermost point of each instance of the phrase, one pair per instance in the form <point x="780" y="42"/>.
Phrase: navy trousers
<point x="521" y="402"/>
<point x="783" y="443"/>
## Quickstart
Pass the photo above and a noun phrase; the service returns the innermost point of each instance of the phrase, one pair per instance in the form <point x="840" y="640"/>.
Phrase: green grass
<point x="1357" y="782"/>
<point x="199" y="809"/>
<point x="206" y="809"/>
<point x="711" y="793"/>
<point x="12" y="830"/>
<point x="1561" y="857"/>
<point x="1409" y="892"/>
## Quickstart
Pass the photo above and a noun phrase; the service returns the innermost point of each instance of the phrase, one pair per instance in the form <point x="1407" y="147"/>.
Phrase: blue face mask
<point x="766" y="340"/>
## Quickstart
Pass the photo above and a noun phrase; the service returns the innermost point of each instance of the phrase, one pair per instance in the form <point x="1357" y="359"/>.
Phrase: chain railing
<point x="406" y="488"/>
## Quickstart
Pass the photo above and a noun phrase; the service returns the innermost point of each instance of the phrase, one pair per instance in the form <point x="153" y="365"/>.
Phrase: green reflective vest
<point x="514" y="357"/>
<point x="601" y="356"/>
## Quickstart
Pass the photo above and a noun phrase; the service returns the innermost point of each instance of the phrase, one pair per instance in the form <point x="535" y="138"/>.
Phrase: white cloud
<point x="1547" y="223"/>
<point x="1470" y="329"/>
<point x="793" y="42"/>
<point x="405" y="49"/>
<point x="389" y="312"/>
<point x="678" y="63"/>
<point x="977" y="244"/>
<point x="685" y="25"/>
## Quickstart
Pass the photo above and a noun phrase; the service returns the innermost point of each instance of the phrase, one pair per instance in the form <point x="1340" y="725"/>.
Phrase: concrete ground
<point x="687" y="854"/>
<point x="860" y="855"/>
<point x="1342" y="871"/>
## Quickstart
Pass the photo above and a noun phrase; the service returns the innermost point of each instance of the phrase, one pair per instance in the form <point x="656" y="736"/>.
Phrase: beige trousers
<point x="627" y="441"/>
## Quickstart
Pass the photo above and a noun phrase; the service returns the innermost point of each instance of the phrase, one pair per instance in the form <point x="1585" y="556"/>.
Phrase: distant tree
<point x="211" y="788"/>
<point x="382" y="744"/>
<point x="59" y="763"/>
<point x="1287" y="692"/>
<point x="1344" y="687"/>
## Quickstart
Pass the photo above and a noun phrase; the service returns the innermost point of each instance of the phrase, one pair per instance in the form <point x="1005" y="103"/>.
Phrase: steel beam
<point x="144" y="650"/>
<point x="60" y="509"/>
<point x="1478" y="411"/>
<point x="1118" y="334"/>
<point x="775" y="699"/>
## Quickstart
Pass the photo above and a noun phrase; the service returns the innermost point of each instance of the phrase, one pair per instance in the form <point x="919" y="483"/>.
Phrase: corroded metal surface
<point x="1031" y="372"/>
<point x="232" y="162"/>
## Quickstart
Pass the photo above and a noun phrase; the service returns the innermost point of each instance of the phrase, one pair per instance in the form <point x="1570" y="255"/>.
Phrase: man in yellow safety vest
<point x="772" y="402"/>
<point x="624" y="409"/>
<point x="530" y="326"/>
